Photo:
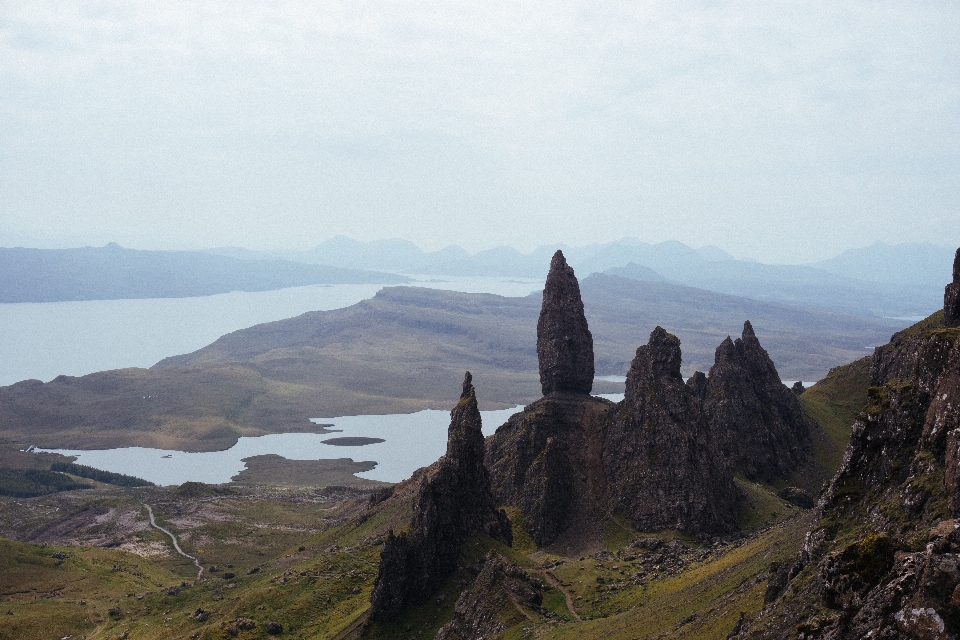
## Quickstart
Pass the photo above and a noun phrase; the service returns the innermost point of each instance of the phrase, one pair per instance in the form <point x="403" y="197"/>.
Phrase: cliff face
<point x="665" y="456"/>
<point x="951" y="296"/>
<point x="662" y="461"/>
<point x="882" y="561"/>
<point x="547" y="460"/>
<point x="564" y="343"/>
<point x="453" y="504"/>
<point x="757" y="421"/>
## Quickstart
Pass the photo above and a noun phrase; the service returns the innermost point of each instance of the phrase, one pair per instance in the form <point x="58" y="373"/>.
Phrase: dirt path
<point x="556" y="585"/>
<point x="173" y="538"/>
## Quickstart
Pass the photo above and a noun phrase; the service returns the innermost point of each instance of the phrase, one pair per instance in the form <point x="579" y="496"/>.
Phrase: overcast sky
<point x="784" y="131"/>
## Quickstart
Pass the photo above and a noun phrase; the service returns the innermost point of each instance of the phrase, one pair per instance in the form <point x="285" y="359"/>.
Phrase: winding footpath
<point x="173" y="538"/>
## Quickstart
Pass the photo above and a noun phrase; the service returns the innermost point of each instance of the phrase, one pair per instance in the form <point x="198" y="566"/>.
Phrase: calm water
<point x="44" y="340"/>
<point x="411" y="441"/>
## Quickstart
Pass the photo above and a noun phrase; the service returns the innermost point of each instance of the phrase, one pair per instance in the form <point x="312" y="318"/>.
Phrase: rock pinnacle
<point x="564" y="342"/>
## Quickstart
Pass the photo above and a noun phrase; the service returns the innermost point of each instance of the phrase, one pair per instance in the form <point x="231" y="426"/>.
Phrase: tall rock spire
<point x="453" y="504"/>
<point x="564" y="343"/>
<point x="951" y="299"/>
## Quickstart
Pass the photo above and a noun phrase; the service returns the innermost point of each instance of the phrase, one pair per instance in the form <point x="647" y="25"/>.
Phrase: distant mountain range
<point x="901" y="280"/>
<point x="112" y="272"/>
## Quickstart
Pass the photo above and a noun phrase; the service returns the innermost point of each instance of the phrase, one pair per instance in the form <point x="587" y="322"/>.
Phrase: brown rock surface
<point x="663" y="464"/>
<point x="496" y="599"/>
<point x="568" y="461"/>
<point x="882" y="559"/>
<point x="951" y="296"/>
<point x="564" y="343"/>
<point x="547" y="460"/>
<point x="756" y="419"/>
<point x="453" y="503"/>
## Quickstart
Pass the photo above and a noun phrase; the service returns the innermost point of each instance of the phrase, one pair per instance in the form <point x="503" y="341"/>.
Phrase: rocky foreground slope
<point x="882" y="560"/>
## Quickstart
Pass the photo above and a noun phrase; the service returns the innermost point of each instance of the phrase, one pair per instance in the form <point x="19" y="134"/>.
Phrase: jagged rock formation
<point x="882" y="560"/>
<point x="662" y="462"/>
<point x="759" y="423"/>
<point x="951" y="296"/>
<point x="568" y="459"/>
<point x="661" y="457"/>
<point x="453" y="504"/>
<point x="564" y="343"/>
<point x="496" y="598"/>
<point x="547" y="460"/>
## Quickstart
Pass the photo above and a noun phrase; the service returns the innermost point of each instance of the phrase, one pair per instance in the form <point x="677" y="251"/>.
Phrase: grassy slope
<point x="315" y="571"/>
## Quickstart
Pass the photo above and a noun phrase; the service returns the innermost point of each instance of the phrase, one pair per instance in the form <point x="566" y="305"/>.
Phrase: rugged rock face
<point x="660" y="457"/>
<point x="758" y="422"/>
<point x="564" y="343"/>
<point x="882" y="561"/>
<point x="663" y="465"/>
<point x="499" y="594"/>
<point x="453" y="504"/>
<point x="547" y="460"/>
<point x="566" y="460"/>
<point x="951" y="296"/>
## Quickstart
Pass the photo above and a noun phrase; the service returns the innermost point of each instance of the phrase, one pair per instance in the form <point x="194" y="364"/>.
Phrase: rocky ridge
<point x="757" y="420"/>
<point x="497" y="598"/>
<point x="661" y="460"/>
<point x="453" y="503"/>
<point x="883" y="560"/>
<point x="664" y="457"/>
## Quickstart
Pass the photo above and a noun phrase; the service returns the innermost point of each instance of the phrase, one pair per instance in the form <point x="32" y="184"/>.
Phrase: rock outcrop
<point x="756" y="419"/>
<point x="453" y="504"/>
<point x="662" y="462"/>
<point x="951" y="296"/>
<point x="564" y="342"/>
<point x="547" y="461"/>
<point x="495" y="601"/>
<point x="883" y="560"/>
<point x="661" y="457"/>
<point x="568" y="461"/>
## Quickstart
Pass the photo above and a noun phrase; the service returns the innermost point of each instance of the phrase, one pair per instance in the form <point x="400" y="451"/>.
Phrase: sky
<point x="782" y="131"/>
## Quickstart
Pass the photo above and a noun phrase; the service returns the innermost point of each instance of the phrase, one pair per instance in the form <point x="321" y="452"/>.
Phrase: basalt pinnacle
<point x="757" y="421"/>
<point x="564" y="342"/>
<point x="453" y="504"/>
<point x="951" y="297"/>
